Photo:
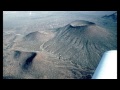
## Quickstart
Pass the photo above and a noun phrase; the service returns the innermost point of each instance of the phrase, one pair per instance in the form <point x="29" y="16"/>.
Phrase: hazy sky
<point x="57" y="12"/>
<point x="90" y="12"/>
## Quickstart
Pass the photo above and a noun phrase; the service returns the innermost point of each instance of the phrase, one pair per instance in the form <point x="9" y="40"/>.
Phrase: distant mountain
<point x="112" y="16"/>
<point x="82" y="42"/>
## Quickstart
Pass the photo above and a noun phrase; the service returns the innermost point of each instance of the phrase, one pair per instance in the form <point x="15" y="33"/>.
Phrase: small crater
<point x="81" y="23"/>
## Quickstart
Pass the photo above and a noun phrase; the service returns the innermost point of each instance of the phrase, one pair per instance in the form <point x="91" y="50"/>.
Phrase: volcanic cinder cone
<point x="33" y="40"/>
<point x="82" y="42"/>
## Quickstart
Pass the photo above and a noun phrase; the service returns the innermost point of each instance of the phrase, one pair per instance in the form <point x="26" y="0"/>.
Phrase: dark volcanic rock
<point x="17" y="54"/>
<point x="28" y="61"/>
<point x="82" y="42"/>
<point x="17" y="64"/>
<point x="25" y="58"/>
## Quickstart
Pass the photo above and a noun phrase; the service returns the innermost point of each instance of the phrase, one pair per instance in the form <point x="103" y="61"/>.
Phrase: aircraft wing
<point x="107" y="68"/>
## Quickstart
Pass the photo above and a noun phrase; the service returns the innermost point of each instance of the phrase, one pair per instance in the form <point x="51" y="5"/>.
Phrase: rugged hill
<point x="33" y="40"/>
<point x="17" y="64"/>
<point x="35" y="36"/>
<point x="82" y="42"/>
